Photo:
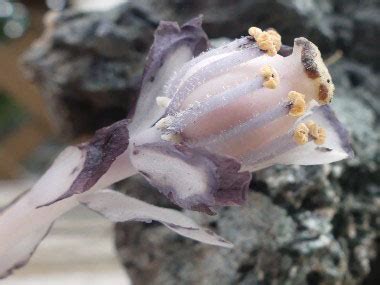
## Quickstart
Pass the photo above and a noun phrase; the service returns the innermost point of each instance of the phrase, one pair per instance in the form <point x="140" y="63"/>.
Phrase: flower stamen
<point x="269" y="41"/>
<point x="175" y="138"/>
<point x="271" y="78"/>
<point x="163" y="101"/>
<point x="298" y="104"/>
<point x="164" y="123"/>
<point x="316" y="132"/>
<point x="301" y="134"/>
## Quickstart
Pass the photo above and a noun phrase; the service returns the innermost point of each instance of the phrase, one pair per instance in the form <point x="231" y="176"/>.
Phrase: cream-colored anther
<point x="298" y="107"/>
<point x="301" y="134"/>
<point x="269" y="41"/>
<point x="176" y="138"/>
<point x="163" y="101"/>
<point x="316" y="132"/>
<point x="271" y="78"/>
<point x="164" y="122"/>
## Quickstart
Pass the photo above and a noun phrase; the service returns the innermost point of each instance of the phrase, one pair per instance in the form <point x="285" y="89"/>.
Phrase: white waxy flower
<point x="201" y="125"/>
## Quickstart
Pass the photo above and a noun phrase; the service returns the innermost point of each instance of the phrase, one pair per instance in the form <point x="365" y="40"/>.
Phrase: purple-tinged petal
<point x="192" y="77"/>
<point x="336" y="146"/>
<point x="172" y="47"/>
<point x="206" y="113"/>
<point x="192" y="178"/>
<point x="190" y="115"/>
<point x="219" y="141"/>
<point x="104" y="148"/>
<point x="118" y="207"/>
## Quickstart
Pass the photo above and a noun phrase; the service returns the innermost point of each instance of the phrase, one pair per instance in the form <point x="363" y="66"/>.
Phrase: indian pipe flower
<point x="205" y="119"/>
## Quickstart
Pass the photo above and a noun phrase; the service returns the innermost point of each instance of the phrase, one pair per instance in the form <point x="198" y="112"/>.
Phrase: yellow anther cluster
<point x="298" y="106"/>
<point x="269" y="41"/>
<point x="318" y="133"/>
<point x="301" y="134"/>
<point x="303" y="131"/>
<point x="271" y="78"/>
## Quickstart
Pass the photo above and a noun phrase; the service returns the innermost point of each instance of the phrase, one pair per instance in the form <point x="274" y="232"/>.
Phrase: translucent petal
<point x="121" y="208"/>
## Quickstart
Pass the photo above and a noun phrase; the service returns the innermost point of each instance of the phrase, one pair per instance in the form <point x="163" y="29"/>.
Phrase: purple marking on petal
<point x="173" y="46"/>
<point x="174" y="226"/>
<point x="107" y="144"/>
<point x="192" y="178"/>
<point x="339" y="129"/>
<point x="323" y="149"/>
<point x="189" y="115"/>
<point x="169" y="36"/>
<point x="209" y="71"/>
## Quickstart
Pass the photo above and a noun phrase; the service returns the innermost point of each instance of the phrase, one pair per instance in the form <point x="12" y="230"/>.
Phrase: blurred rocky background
<point x="302" y="225"/>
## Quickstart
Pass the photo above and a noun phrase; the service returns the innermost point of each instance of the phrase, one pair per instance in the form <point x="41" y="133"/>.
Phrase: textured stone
<point x="350" y="26"/>
<point x="88" y="66"/>
<point x="232" y="18"/>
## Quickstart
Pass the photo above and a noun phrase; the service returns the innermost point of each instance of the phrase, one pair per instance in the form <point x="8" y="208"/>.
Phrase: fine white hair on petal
<point x="217" y="141"/>
<point x="271" y="150"/>
<point x="205" y="57"/>
<point x="118" y="207"/>
<point x="191" y="114"/>
<point x="206" y="70"/>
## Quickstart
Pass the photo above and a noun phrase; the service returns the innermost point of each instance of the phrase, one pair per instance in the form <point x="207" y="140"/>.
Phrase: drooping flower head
<point x="205" y="119"/>
<point x="251" y="103"/>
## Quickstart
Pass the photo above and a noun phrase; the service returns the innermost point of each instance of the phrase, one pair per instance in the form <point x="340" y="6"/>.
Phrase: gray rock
<point x="232" y="18"/>
<point x="88" y="66"/>
<point x="350" y="26"/>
